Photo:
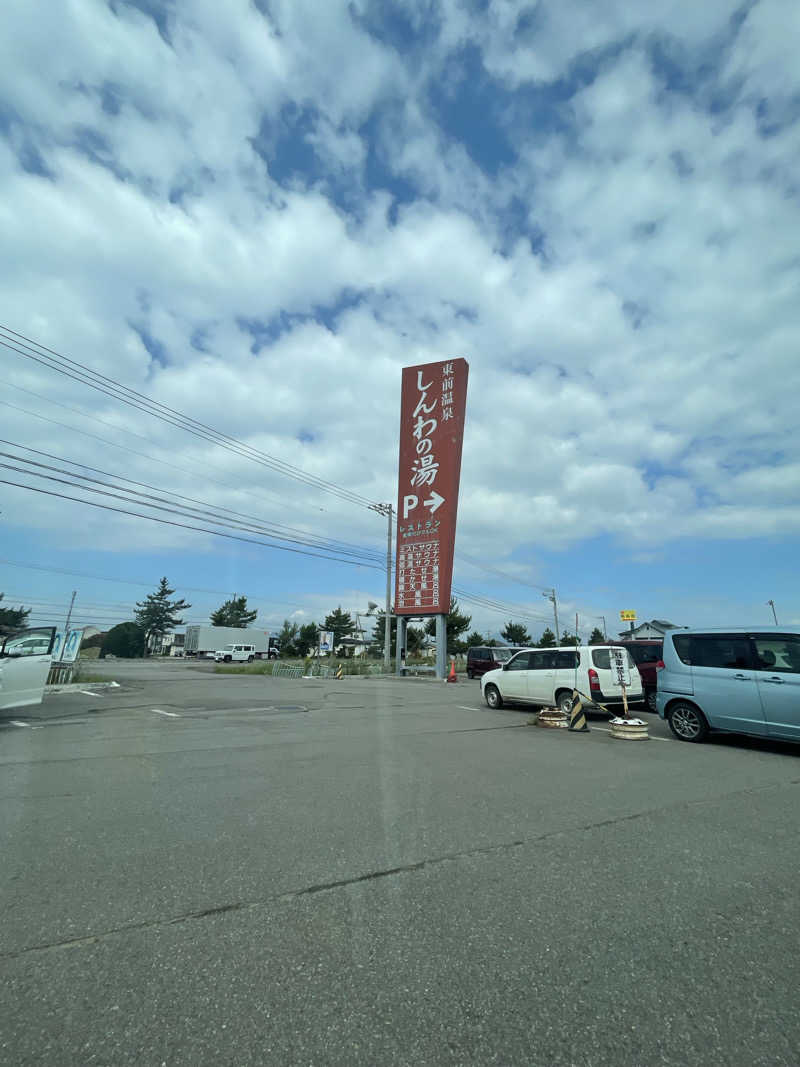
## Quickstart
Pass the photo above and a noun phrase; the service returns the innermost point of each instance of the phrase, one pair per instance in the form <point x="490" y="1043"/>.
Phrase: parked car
<point x="25" y="660"/>
<point x="646" y="655"/>
<point x="235" y="654"/>
<point x="740" y="680"/>
<point x="483" y="658"/>
<point x="547" y="676"/>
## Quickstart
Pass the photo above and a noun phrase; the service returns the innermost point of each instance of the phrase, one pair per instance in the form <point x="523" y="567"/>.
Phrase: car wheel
<point x="564" y="700"/>
<point x="687" y="722"/>
<point x="470" y="675"/>
<point x="492" y="696"/>
<point x="250" y="659"/>
<point x="227" y="659"/>
<point x="650" y="701"/>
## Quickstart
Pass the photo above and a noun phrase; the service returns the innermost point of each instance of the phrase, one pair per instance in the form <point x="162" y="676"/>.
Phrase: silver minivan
<point x="739" y="679"/>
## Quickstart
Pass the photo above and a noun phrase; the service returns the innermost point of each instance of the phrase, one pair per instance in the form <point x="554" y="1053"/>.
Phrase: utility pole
<point x="551" y="595"/>
<point x="69" y="615"/>
<point x="605" y="630"/>
<point x="388" y="511"/>
<point x="772" y="605"/>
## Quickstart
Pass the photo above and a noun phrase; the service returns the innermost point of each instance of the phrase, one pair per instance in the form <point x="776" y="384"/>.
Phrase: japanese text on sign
<point x="431" y="431"/>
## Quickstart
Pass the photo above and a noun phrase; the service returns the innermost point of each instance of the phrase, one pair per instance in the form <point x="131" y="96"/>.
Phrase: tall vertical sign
<point x="434" y="399"/>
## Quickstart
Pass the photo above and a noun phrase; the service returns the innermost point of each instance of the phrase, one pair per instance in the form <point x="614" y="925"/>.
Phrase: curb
<point x="76" y="686"/>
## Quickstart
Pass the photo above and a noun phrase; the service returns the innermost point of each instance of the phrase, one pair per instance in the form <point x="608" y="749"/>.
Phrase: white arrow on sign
<point x="434" y="501"/>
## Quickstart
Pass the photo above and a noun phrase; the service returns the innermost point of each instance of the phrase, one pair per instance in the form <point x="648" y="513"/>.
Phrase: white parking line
<point x="169" y="714"/>
<point x="464" y="707"/>
<point x="89" y="693"/>
<point x="15" y="722"/>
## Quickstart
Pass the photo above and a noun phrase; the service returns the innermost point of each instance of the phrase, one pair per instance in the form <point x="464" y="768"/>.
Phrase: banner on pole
<point x="434" y="400"/>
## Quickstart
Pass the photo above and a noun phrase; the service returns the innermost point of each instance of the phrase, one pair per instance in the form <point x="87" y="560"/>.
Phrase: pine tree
<point x="457" y="624"/>
<point x="287" y="638"/>
<point x="547" y="640"/>
<point x="597" y="637"/>
<point x="340" y="624"/>
<point x="516" y="634"/>
<point x="157" y="614"/>
<point x="234" y="613"/>
<point x="12" y="620"/>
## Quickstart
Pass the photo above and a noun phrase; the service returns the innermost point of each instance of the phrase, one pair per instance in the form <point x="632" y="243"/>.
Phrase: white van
<point x="547" y="677"/>
<point x="235" y="654"/>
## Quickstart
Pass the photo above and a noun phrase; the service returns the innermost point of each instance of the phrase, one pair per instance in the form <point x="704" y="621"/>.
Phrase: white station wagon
<point x="547" y="677"/>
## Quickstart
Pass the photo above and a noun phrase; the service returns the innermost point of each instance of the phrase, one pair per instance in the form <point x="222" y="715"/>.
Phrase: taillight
<point x="660" y="665"/>
<point x="594" y="681"/>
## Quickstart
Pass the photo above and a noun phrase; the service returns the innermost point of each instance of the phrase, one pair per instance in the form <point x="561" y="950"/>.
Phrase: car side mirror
<point x="505" y="666"/>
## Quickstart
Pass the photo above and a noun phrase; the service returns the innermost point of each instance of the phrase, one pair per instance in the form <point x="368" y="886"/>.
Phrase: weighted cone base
<point x="629" y="730"/>
<point x="552" y="719"/>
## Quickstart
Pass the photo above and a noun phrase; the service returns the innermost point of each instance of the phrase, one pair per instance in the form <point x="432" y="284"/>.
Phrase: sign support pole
<point x="402" y="629"/>
<point x="441" y="646"/>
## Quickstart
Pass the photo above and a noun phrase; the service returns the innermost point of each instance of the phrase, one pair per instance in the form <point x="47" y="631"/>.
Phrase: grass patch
<point x="243" y="668"/>
<point x="84" y="677"/>
<point x="350" y="667"/>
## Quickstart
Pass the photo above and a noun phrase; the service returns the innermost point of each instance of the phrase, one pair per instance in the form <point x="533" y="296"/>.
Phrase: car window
<point x="645" y="653"/>
<point x="29" y="643"/>
<point x="682" y="646"/>
<point x="500" y="655"/>
<point x="568" y="659"/>
<point x="778" y="654"/>
<point x="720" y="650"/>
<point x="519" y="662"/>
<point x="541" y="661"/>
<point x="601" y="658"/>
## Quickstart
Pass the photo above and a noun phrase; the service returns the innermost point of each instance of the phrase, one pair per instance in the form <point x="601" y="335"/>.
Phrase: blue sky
<point x="257" y="213"/>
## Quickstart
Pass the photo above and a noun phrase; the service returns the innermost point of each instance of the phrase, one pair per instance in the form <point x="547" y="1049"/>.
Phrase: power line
<point x="47" y="357"/>
<point x="124" y="448"/>
<point x="251" y="522"/>
<point x="186" y="526"/>
<point x="145" y="583"/>
<point x="359" y="556"/>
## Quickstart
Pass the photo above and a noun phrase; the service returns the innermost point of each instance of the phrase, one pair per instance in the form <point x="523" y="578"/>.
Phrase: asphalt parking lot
<point x="218" y="869"/>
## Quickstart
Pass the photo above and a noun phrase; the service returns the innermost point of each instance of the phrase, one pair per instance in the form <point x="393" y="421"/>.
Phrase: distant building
<point x="656" y="628"/>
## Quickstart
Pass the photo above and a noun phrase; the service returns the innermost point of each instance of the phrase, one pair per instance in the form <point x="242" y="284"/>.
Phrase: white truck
<point x="206" y="641"/>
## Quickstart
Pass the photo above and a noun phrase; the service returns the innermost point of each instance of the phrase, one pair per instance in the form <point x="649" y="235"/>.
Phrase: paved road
<point x="205" y="869"/>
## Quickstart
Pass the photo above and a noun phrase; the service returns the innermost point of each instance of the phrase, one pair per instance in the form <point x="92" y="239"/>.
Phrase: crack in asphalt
<point x="370" y="876"/>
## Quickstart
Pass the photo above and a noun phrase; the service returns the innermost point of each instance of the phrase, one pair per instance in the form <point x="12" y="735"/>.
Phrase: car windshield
<point x="502" y="655"/>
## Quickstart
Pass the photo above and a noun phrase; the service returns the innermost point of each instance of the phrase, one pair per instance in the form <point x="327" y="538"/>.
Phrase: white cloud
<point x="657" y="212"/>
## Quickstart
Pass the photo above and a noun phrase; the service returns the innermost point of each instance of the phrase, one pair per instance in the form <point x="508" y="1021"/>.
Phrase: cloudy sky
<point x="257" y="212"/>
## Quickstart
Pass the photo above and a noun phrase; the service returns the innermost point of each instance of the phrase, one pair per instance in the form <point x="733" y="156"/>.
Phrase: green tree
<point x="157" y="614"/>
<point x="475" y="639"/>
<point x="287" y="638"/>
<point x="378" y="636"/>
<point x="457" y="624"/>
<point x="415" y="640"/>
<point x="307" y="639"/>
<point x="95" y="641"/>
<point x="515" y="634"/>
<point x="126" y="640"/>
<point x="12" y="620"/>
<point x="597" y="637"/>
<point x="233" y="613"/>
<point x="547" y="640"/>
<point x="570" y="639"/>
<point x="340" y="625"/>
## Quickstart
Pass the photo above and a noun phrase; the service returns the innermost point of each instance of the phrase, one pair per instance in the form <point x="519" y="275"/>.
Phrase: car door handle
<point x="741" y="678"/>
<point x="774" y="681"/>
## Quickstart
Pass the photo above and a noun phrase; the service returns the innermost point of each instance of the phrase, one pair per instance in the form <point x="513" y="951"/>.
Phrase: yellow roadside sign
<point x="628" y="616"/>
